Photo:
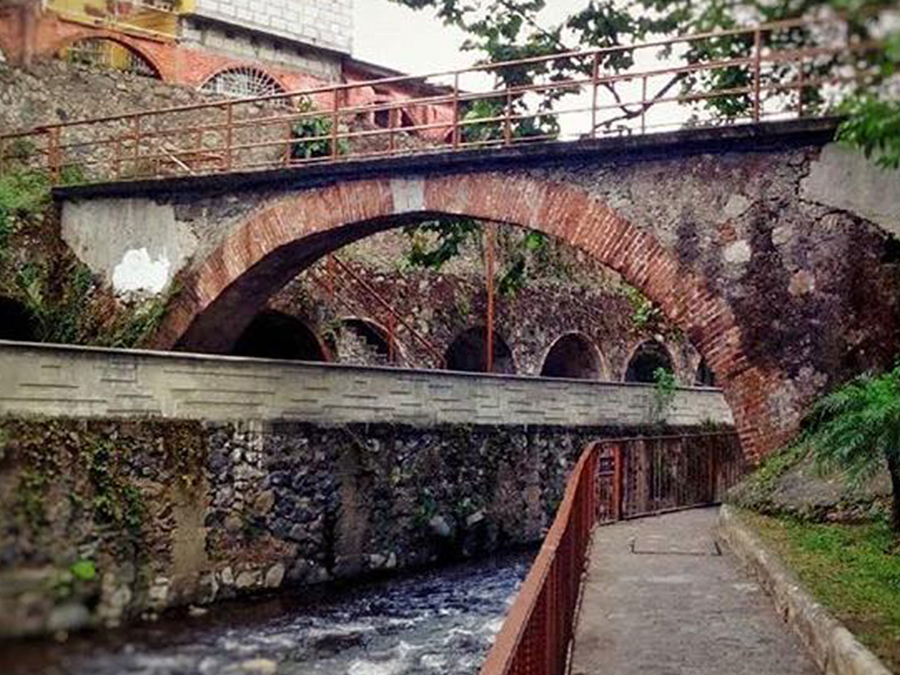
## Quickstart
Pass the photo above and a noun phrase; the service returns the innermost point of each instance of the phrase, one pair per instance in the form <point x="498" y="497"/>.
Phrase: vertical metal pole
<point x="455" y="132"/>
<point x="54" y="154"/>
<point x="595" y="73"/>
<point x="757" y="59"/>
<point x="618" y="482"/>
<point x="3" y="157"/>
<point x="507" y="122"/>
<point x="391" y="124"/>
<point x="137" y="145"/>
<point x="644" y="104"/>
<point x="335" y="118"/>
<point x="489" y="281"/>
<point x="392" y="340"/>
<point x="118" y="158"/>
<point x="229" y="135"/>
<point x="801" y="89"/>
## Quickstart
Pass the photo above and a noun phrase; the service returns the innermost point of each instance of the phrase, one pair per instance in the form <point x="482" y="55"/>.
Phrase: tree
<point x="502" y="30"/>
<point x="857" y="429"/>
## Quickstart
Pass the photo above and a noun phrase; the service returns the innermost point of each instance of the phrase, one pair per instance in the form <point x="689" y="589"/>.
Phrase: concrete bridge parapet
<point x="102" y="383"/>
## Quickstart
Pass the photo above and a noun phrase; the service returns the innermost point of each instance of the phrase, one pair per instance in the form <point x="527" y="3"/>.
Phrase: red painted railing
<point x="469" y="108"/>
<point x="536" y="638"/>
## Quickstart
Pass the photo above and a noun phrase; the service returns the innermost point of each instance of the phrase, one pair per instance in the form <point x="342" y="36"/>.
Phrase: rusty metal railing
<point x="337" y="274"/>
<point x="475" y="107"/>
<point x="537" y="636"/>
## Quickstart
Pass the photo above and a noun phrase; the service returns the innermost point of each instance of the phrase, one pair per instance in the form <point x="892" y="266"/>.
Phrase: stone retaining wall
<point x="104" y="521"/>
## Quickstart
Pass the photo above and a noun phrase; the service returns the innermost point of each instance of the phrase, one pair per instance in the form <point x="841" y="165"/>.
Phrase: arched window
<point x="105" y="53"/>
<point x="242" y="82"/>
<point x="469" y="350"/>
<point x="275" y="335"/>
<point x="573" y="356"/>
<point x="15" y="321"/>
<point x="647" y="358"/>
<point x="705" y="376"/>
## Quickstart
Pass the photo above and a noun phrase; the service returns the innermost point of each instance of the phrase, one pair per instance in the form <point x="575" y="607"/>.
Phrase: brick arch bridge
<point x="781" y="293"/>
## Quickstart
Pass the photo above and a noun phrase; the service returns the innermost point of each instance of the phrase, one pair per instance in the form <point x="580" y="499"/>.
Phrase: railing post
<point x="229" y="135"/>
<point x="118" y="158"/>
<point x="53" y="156"/>
<point x="507" y="122"/>
<point x="595" y="74"/>
<point x="757" y="63"/>
<point x="335" y="118"/>
<point x="644" y="104"/>
<point x="489" y="282"/>
<point x="618" y="482"/>
<point x="136" y="134"/>
<point x="3" y="158"/>
<point x="455" y="132"/>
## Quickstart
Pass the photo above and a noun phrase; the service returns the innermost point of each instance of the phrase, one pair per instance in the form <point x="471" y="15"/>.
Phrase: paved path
<point x="674" y="606"/>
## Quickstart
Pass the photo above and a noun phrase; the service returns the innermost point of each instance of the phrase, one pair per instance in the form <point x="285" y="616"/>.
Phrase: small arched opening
<point x="242" y="82"/>
<point x="705" y="376"/>
<point x="468" y="353"/>
<point x="15" y="322"/>
<point x="646" y="360"/>
<point x="573" y="356"/>
<point x="364" y="342"/>
<point x="107" y="53"/>
<point x="275" y="335"/>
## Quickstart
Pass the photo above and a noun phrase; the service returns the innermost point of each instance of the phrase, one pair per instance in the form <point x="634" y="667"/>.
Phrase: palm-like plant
<point x="857" y="428"/>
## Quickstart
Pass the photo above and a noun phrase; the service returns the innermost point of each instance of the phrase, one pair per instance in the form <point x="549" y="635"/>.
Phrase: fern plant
<point x="856" y="429"/>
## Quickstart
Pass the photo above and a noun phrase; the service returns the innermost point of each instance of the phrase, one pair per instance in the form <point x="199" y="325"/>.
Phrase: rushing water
<point x="441" y="621"/>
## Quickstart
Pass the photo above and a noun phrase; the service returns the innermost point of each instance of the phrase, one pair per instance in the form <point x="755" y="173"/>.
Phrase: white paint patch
<point x="408" y="195"/>
<point x="131" y="242"/>
<point x="139" y="273"/>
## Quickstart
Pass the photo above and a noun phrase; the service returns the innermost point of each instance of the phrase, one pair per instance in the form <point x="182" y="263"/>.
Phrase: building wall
<point x="323" y="23"/>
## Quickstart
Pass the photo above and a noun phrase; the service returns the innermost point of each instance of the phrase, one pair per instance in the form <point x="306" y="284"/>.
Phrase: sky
<point x="415" y="41"/>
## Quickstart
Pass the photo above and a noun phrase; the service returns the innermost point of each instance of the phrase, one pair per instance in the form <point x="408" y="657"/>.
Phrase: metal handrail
<point x="372" y="292"/>
<point x="250" y="135"/>
<point x="537" y="635"/>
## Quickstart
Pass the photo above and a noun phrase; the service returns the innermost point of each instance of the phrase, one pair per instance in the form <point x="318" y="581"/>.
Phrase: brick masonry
<point x="97" y="383"/>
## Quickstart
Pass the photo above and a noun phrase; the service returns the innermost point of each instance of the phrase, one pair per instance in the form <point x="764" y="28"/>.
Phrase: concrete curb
<point x="834" y="648"/>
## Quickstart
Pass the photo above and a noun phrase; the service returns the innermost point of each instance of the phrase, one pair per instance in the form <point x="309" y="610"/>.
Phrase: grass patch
<point x="854" y="570"/>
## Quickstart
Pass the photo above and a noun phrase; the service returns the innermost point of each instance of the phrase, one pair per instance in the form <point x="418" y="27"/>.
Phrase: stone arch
<point x="285" y="235"/>
<point x="16" y="323"/>
<point x="276" y="335"/>
<point x="645" y="359"/>
<point x="468" y="353"/>
<point x="575" y="356"/>
<point x="123" y="41"/>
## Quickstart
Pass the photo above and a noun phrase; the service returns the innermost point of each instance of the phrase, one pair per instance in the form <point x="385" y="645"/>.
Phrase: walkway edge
<point x="833" y="647"/>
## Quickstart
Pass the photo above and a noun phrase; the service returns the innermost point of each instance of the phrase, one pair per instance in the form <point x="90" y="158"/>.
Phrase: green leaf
<point x="84" y="570"/>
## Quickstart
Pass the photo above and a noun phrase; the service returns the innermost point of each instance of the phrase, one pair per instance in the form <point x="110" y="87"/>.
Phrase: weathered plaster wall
<point x="103" y="521"/>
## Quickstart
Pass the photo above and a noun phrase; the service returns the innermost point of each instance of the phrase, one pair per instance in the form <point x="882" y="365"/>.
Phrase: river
<point x="439" y="621"/>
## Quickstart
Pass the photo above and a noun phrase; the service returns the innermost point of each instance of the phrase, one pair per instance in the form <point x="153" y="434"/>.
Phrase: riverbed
<point x="439" y="621"/>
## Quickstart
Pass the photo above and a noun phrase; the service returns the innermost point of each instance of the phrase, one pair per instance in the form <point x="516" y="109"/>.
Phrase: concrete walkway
<point x="661" y="600"/>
